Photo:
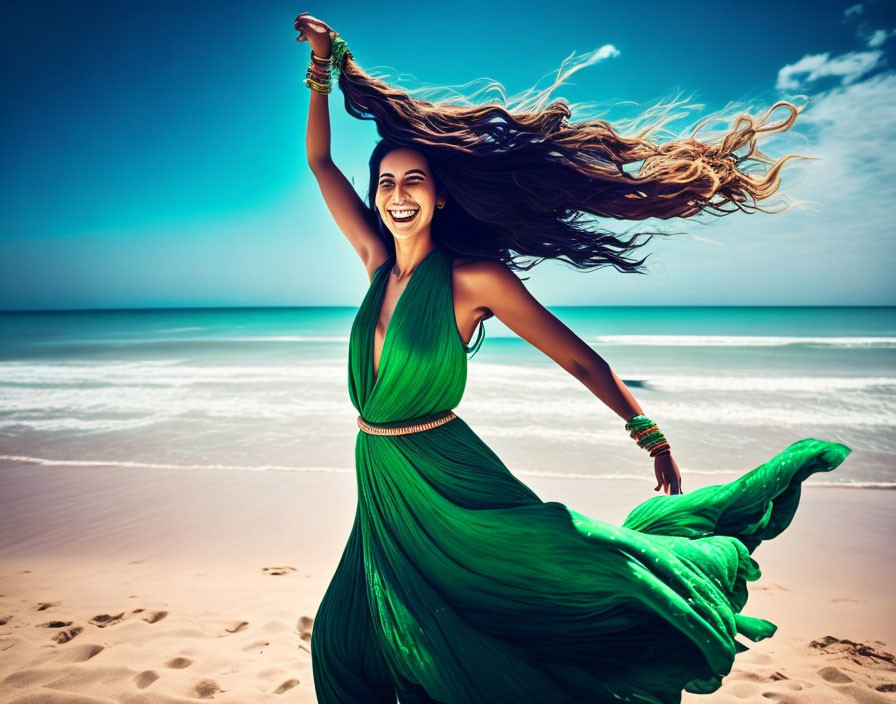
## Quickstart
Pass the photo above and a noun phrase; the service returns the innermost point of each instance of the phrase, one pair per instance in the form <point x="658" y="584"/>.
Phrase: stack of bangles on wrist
<point x="646" y="433"/>
<point x="317" y="77"/>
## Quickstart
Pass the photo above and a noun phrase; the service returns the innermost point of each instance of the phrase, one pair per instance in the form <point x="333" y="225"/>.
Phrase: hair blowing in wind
<point x="521" y="178"/>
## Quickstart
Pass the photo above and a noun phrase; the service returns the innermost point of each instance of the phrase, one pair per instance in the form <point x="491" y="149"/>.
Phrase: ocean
<point x="265" y="389"/>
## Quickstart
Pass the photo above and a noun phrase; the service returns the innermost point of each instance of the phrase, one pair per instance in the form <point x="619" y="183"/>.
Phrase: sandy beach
<point x="158" y="585"/>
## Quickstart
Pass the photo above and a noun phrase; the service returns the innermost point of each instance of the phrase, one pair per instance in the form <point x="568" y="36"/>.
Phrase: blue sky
<point x="155" y="153"/>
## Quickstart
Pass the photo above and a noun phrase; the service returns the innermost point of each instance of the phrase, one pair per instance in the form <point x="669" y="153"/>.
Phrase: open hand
<point x="667" y="474"/>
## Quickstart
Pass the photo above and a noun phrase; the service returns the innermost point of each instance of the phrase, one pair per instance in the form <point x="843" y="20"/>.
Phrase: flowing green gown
<point x="458" y="584"/>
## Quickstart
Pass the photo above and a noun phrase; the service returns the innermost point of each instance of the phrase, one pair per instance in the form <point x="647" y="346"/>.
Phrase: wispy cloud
<point x="879" y="36"/>
<point x="871" y="36"/>
<point x="848" y="67"/>
<point x="838" y="246"/>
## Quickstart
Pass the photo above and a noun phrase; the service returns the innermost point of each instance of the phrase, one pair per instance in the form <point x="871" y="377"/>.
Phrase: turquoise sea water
<point x="265" y="389"/>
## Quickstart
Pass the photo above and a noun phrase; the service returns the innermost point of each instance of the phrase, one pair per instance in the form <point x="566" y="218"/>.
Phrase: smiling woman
<point x="458" y="584"/>
<point x="390" y="190"/>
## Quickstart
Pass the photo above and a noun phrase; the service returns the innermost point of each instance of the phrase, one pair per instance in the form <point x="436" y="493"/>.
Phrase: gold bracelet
<point x="644" y="433"/>
<point x="318" y="87"/>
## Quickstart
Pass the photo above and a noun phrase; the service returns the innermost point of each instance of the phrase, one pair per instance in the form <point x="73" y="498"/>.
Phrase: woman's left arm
<point x="497" y="288"/>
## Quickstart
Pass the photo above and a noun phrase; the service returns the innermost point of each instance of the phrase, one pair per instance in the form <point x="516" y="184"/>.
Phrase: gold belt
<point x="389" y="429"/>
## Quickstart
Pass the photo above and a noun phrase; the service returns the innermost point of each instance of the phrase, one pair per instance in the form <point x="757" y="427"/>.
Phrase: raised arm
<point x="497" y="288"/>
<point x="346" y="207"/>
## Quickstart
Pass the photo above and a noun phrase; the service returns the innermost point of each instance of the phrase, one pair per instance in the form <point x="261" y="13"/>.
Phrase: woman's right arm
<point x="345" y="205"/>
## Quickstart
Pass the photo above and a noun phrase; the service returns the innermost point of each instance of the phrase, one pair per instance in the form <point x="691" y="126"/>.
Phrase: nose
<point x="397" y="198"/>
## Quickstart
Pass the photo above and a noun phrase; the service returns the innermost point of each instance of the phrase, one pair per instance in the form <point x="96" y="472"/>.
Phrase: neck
<point x="409" y="253"/>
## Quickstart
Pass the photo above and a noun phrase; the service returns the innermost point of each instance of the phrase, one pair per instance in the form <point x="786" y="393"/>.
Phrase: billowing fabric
<point x="459" y="585"/>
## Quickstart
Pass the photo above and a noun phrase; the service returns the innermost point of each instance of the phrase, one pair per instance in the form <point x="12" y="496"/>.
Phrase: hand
<point x="667" y="474"/>
<point x="314" y="31"/>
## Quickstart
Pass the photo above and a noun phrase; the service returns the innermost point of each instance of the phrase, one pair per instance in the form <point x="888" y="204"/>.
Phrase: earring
<point x="440" y="206"/>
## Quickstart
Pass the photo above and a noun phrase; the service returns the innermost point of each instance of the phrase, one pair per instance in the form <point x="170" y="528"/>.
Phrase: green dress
<point x="458" y="584"/>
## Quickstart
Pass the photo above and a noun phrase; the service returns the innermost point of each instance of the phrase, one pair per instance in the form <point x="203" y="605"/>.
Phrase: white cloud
<point x="849" y="67"/>
<point x="879" y="36"/>
<point x="853" y="10"/>
<point x="855" y="131"/>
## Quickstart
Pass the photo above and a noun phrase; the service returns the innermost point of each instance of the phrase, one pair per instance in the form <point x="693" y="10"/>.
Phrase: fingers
<point x="669" y="487"/>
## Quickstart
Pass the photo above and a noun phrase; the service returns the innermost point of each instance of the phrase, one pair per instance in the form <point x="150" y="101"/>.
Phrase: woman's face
<point x="405" y="187"/>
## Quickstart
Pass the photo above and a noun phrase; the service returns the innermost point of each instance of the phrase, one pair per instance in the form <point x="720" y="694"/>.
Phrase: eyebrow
<point x="410" y="171"/>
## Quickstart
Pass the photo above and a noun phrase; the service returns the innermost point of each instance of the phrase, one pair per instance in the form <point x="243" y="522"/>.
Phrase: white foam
<point x="742" y="341"/>
<point x="165" y="373"/>
<point x="341" y="470"/>
<point x="166" y="465"/>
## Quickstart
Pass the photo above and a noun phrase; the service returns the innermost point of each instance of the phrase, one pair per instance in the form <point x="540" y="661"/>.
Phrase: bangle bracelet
<point x="647" y="435"/>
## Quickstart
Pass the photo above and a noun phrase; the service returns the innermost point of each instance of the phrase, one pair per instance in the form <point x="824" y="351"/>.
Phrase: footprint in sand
<point x="833" y="674"/>
<point x="887" y="687"/>
<point x="205" y="689"/>
<point x="860" y="653"/>
<point x="103" y="620"/>
<point x="66" y="635"/>
<point x="54" y="624"/>
<point x="237" y="626"/>
<point x="179" y="663"/>
<point x="145" y="678"/>
<point x="44" y="605"/>
<point x="286" y="686"/>
<point x="286" y="569"/>
<point x="4" y="620"/>
<point x="304" y="628"/>
<point x="155" y="616"/>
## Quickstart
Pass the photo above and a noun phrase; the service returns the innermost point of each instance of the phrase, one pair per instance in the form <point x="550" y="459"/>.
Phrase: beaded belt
<point x="435" y="420"/>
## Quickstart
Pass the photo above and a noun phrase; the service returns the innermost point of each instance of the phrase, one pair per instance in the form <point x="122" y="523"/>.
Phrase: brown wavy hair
<point x="520" y="178"/>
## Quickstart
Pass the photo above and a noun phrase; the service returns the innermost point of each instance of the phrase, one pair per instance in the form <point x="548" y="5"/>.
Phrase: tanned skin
<point x="481" y="288"/>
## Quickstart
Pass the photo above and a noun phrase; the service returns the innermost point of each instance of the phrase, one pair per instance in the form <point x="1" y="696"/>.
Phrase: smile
<point x="403" y="215"/>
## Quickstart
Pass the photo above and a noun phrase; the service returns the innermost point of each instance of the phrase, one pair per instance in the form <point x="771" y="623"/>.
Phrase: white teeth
<point x="402" y="214"/>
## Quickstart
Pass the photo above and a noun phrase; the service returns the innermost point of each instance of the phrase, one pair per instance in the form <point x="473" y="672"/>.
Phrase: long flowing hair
<point x="521" y="179"/>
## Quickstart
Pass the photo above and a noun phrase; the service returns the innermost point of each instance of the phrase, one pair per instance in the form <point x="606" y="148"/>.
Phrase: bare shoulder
<point x="485" y="275"/>
<point x="483" y="268"/>
<point x="478" y="281"/>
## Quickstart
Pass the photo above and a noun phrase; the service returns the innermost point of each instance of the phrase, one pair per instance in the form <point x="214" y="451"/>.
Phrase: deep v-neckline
<point x="377" y="373"/>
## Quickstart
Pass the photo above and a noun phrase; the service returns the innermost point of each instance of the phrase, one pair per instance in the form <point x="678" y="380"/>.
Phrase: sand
<point x="145" y="585"/>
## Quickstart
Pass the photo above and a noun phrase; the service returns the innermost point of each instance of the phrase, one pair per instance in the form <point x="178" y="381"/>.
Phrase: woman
<point x="457" y="583"/>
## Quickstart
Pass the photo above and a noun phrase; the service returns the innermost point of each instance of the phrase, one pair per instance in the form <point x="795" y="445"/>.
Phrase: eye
<point x="388" y="182"/>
